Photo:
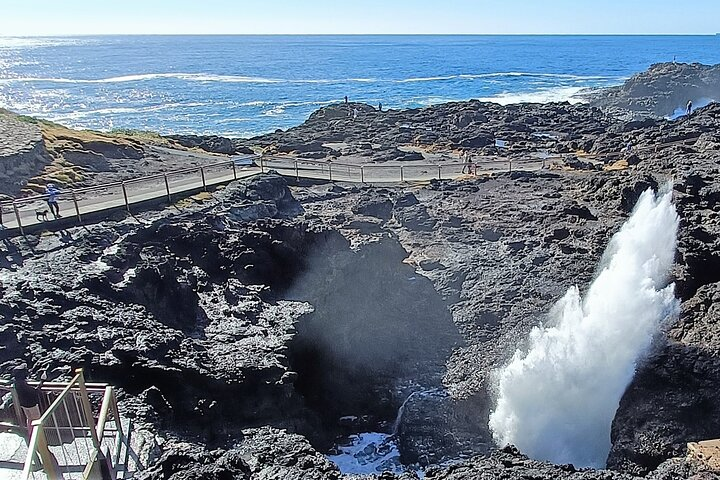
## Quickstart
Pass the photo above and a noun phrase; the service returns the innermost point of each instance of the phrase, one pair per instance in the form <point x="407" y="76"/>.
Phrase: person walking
<point x="52" y="199"/>
<point x="355" y="114"/>
<point x="689" y="107"/>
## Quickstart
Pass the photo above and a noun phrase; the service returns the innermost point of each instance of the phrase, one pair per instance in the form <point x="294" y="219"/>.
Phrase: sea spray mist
<point x="557" y="400"/>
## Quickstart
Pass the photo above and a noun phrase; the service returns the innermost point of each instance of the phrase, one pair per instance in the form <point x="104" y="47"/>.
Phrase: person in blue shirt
<point x="52" y="199"/>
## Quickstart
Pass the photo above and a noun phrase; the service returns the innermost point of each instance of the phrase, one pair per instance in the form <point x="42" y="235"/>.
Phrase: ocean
<point x="240" y="86"/>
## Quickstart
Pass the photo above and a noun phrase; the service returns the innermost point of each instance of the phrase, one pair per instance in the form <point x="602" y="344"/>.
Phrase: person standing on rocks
<point x="628" y="150"/>
<point x="466" y="160"/>
<point x="380" y="107"/>
<point x="689" y="107"/>
<point x="346" y="100"/>
<point x="355" y="114"/>
<point x="52" y="199"/>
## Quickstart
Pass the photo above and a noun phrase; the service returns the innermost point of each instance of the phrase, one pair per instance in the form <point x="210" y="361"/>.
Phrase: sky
<point x="88" y="17"/>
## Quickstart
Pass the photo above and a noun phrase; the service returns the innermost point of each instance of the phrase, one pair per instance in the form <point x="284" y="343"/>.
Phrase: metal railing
<point x="393" y="173"/>
<point x="26" y="211"/>
<point x="32" y="210"/>
<point x="78" y="435"/>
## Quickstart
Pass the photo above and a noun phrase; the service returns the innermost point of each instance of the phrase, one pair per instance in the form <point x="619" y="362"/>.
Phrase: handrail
<point x="94" y="387"/>
<point x="58" y="401"/>
<point x="114" y="184"/>
<point x="102" y="417"/>
<point x="38" y="446"/>
<point x="38" y="433"/>
<point x="311" y="162"/>
<point x="101" y="199"/>
<point x="32" y="447"/>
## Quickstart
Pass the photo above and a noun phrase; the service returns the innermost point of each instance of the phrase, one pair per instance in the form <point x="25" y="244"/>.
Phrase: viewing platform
<point x="78" y="435"/>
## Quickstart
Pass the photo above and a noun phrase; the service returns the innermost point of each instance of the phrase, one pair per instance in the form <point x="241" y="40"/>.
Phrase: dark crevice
<point x="377" y="327"/>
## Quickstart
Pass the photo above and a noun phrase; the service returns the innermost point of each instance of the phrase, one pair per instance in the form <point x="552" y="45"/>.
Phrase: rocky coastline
<point x="250" y="329"/>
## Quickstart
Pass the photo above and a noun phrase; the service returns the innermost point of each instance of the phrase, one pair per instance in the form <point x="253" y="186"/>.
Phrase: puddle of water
<point x="368" y="453"/>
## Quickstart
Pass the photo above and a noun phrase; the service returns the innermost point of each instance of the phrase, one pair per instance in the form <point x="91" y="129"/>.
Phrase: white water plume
<point x="557" y="401"/>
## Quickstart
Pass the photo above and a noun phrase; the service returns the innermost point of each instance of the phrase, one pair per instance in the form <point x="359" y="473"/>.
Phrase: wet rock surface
<point x="661" y="91"/>
<point x="250" y="330"/>
<point x="212" y="323"/>
<point x="400" y="136"/>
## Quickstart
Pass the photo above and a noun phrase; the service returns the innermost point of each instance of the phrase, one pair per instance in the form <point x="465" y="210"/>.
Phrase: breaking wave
<point x="206" y="77"/>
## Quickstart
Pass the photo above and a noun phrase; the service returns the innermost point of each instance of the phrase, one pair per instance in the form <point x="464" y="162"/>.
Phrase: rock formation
<point x="249" y="330"/>
<point x="22" y="153"/>
<point x="662" y="91"/>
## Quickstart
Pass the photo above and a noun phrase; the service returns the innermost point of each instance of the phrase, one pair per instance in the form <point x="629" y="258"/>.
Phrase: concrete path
<point x="104" y="198"/>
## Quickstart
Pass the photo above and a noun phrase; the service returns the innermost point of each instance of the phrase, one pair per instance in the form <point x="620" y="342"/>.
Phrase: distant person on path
<point x="380" y="107"/>
<point x="52" y="199"/>
<point x="689" y="107"/>
<point x="466" y="160"/>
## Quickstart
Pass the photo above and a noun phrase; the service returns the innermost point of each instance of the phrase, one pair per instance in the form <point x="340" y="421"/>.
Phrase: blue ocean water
<point x="245" y="85"/>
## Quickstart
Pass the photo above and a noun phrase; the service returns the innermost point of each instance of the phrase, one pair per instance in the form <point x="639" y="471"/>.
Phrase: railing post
<point x="104" y="409"/>
<point x="362" y="173"/>
<point x="87" y="410"/>
<point x="234" y="170"/>
<point x="297" y="172"/>
<point x="121" y="434"/>
<point x="17" y="216"/>
<point x="77" y="208"/>
<point x="16" y="405"/>
<point x="167" y="187"/>
<point x="439" y="172"/>
<point x="127" y="204"/>
<point x="330" y="171"/>
<point x="202" y="176"/>
<point x="402" y="174"/>
<point x="49" y="464"/>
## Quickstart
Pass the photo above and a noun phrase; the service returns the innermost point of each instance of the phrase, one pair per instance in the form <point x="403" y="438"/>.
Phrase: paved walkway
<point x="77" y="203"/>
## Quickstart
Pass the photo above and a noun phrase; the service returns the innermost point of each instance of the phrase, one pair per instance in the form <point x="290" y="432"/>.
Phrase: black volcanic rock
<point x="209" y="143"/>
<point x="662" y="89"/>
<point x="255" y="325"/>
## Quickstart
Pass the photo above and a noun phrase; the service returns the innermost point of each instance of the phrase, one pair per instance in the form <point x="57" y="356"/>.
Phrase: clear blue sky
<point x="69" y="17"/>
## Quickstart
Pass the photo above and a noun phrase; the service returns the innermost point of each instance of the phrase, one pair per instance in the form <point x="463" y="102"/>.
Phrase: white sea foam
<point x="428" y="79"/>
<point x="207" y="77"/>
<point x="368" y="453"/>
<point x="191" y="77"/>
<point x="495" y="75"/>
<point x="556" y="94"/>
<point x="79" y="114"/>
<point x="557" y="400"/>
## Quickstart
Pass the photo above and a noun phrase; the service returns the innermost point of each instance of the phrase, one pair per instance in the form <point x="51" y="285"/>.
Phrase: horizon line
<point x="137" y="34"/>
